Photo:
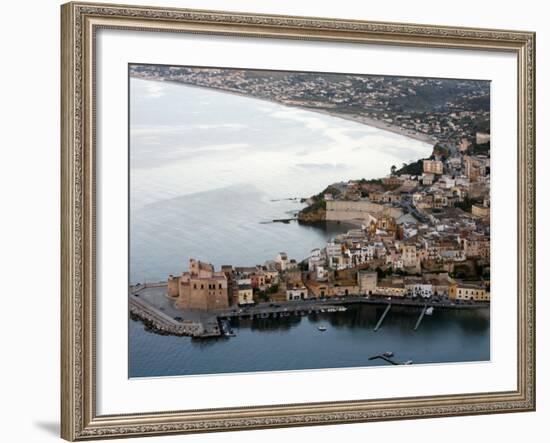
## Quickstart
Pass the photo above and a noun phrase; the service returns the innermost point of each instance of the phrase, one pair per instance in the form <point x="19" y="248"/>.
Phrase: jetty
<point x="381" y="320"/>
<point x="390" y="359"/>
<point x="162" y="323"/>
<point x="421" y="316"/>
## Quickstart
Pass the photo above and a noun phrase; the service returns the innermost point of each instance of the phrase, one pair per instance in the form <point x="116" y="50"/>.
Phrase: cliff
<point x="312" y="216"/>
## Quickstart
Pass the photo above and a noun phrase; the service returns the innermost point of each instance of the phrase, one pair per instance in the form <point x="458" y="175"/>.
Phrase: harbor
<point x="341" y="339"/>
<point x="150" y="304"/>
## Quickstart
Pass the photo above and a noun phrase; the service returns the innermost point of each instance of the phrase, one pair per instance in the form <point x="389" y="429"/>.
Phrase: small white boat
<point x="322" y="328"/>
<point x="408" y="362"/>
<point x="388" y="354"/>
<point x="430" y="310"/>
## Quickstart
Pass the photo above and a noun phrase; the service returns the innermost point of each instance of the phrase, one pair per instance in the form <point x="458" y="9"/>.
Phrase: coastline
<point x="368" y="121"/>
<point x="147" y="304"/>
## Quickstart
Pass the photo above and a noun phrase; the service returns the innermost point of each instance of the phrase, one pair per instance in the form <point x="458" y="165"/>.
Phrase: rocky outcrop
<point x="312" y="216"/>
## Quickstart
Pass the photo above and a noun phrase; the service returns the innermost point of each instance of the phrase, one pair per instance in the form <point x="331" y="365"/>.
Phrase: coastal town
<point x="419" y="236"/>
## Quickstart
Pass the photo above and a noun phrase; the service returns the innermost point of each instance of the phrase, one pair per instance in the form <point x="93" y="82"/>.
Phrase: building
<point x="316" y="259"/>
<point x="367" y="281"/>
<point x="318" y="289"/>
<point x="482" y="138"/>
<point x="464" y="145"/>
<point x="481" y="211"/>
<point x="468" y="291"/>
<point x="282" y="261"/>
<point x="475" y="167"/>
<point x="390" y="289"/>
<point x="409" y="256"/>
<point x="427" y="179"/>
<point x="419" y="289"/>
<point x="245" y="294"/>
<point x="343" y="288"/>
<point x="341" y="210"/>
<point x="432" y="166"/>
<point x="298" y="292"/>
<point x="199" y="288"/>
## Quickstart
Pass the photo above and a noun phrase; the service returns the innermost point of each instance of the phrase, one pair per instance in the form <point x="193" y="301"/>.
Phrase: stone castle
<point x="199" y="288"/>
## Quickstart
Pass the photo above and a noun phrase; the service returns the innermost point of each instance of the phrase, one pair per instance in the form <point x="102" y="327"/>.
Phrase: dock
<point x="381" y="320"/>
<point x="162" y="323"/>
<point x="383" y="357"/>
<point x="421" y="316"/>
<point x="283" y="310"/>
<point x="390" y="359"/>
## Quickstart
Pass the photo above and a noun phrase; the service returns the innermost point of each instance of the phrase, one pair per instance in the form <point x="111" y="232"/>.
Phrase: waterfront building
<point x="367" y="281"/>
<point x="318" y="289"/>
<point x="343" y="288"/>
<point x="468" y="291"/>
<point x="200" y="287"/>
<point x="390" y="288"/>
<point x="418" y="289"/>
<point x="298" y="292"/>
<point x="245" y="294"/>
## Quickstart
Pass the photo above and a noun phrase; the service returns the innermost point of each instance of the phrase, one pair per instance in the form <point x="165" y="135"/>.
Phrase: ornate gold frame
<point x="79" y="420"/>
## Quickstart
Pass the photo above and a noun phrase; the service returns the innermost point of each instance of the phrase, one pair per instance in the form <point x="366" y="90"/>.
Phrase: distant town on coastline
<point x="418" y="237"/>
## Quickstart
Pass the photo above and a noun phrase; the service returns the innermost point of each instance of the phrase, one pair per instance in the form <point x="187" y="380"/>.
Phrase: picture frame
<point x="79" y="205"/>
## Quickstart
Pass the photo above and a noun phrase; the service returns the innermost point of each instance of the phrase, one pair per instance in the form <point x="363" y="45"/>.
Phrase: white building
<point x="423" y="290"/>
<point x="316" y="259"/>
<point x="299" y="293"/>
<point x="282" y="260"/>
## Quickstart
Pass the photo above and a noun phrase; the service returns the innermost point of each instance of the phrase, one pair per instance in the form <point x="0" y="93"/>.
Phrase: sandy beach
<point x="354" y="118"/>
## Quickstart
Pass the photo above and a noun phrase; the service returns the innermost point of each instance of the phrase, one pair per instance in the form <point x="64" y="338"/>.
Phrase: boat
<point x="388" y="354"/>
<point x="408" y="362"/>
<point x="322" y="328"/>
<point x="430" y="310"/>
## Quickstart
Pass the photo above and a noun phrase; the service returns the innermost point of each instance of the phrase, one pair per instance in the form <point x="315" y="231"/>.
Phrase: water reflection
<point x="294" y="342"/>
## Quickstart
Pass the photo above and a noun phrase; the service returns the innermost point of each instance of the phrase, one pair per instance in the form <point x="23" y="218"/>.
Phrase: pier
<point x="390" y="360"/>
<point x="280" y="310"/>
<point x="162" y="323"/>
<point x="382" y="317"/>
<point x="421" y="316"/>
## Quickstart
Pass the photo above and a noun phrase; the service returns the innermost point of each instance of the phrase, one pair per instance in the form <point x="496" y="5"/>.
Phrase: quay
<point x="162" y="323"/>
<point x="278" y="310"/>
<point x="151" y="304"/>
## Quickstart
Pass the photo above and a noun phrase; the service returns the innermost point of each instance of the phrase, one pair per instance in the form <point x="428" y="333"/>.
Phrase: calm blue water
<point x="294" y="343"/>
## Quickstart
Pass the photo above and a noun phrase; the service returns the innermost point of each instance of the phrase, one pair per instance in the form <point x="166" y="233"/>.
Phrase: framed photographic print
<point x="283" y="221"/>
